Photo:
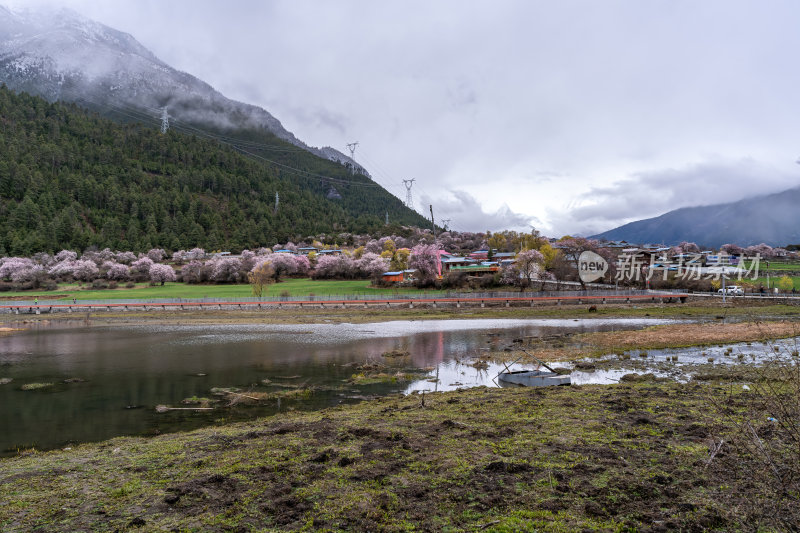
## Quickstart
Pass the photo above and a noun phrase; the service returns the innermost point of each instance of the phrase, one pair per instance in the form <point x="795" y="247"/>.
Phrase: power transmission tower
<point x="352" y="148"/>
<point x="164" y="120"/>
<point x="277" y="200"/>
<point x="387" y="218"/>
<point x="446" y="224"/>
<point x="409" y="198"/>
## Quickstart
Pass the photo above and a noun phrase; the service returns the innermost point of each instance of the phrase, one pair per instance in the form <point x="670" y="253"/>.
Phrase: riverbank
<point x="637" y="342"/>
<point x="8" y="331"/>
<point x="633" y="456"/>
<point x="737" y="311"/>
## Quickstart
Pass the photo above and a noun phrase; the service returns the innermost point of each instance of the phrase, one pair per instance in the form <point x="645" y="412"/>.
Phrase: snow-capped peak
<point x="62" y="55"/>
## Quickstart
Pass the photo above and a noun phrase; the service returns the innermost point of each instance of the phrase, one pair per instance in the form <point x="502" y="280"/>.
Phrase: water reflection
<point x="127" y="371"/>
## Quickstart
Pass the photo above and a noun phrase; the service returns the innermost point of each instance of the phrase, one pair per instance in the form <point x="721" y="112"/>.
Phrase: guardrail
<point x="457" y="298"/>
<point x="750" y="295"/>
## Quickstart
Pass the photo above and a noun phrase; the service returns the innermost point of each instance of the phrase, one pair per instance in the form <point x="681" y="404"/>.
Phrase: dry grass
<point x="678" y="335"/>
<point x="8" y="331"/>
<point x="655" y="338"/>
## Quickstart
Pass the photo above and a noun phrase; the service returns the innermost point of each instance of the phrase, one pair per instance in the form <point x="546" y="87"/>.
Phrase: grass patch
<point x="561" y="459"/>
<point x="742" y="311"/>
<point x="684" y="335"/>
<point x="8" y="331"/>
<point x="637" y="342"/>
<point x="776" y="266"/>
<point x="773" y="280"/>
<point x="294" y="287"/>
<point x="36" y="386"/>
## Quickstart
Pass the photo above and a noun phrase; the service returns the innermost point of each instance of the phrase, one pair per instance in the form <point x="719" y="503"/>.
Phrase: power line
<point x="196" y="131"/>
<point x="141" y="116"/>
<point x="388" y="182"/>
<point x="236" y="142"/>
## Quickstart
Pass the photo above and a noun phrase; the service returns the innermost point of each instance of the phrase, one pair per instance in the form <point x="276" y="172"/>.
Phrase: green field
<point x="776" y="266"/>
<point x="773" y="280"/>
<point x="294" y="287"/>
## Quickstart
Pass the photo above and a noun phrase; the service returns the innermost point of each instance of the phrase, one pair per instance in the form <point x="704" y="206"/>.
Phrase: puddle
<point x="691" y="362"/>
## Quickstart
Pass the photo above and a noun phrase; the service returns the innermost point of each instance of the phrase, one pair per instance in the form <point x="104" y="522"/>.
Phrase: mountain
<point x="72" y="179"/>
<point x="773" y="219"/>
<point x="61" y="55"/>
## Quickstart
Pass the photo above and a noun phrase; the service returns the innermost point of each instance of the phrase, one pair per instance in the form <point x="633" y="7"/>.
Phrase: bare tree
<point x="261" y="276"/>
<point x="572" y="248"/>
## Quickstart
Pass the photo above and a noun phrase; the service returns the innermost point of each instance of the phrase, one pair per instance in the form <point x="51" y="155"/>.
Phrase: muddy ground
<point x="630" y="457"/>
<point x="705" y="332"/>
<point x="637" y="456"/>
<point x="704" y="311"/>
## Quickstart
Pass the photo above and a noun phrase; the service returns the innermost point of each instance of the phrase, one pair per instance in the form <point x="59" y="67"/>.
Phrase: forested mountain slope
<point x="59" y="54"/>
<point x="70" y="179"/>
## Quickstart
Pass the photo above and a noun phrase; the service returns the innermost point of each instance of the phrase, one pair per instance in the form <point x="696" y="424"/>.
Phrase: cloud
<point x="318" y="117"/>
<point x="467" y="214"/>
<point x="586" y="114"/>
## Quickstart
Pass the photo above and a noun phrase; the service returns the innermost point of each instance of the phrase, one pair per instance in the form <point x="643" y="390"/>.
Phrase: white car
<point x="732" y="290"/>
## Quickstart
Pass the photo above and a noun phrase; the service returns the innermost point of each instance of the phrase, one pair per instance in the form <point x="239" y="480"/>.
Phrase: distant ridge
<point x="773" y="219"/>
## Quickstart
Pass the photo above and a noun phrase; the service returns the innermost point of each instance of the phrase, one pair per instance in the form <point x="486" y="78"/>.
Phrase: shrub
<point x="126" y="258"/>
<point x="161" y="274"/>
<point x="487" y="281"/>
<point x="261" y="275"/>
<point x="333" y="267"/>
<point x="156" y="255"/>
<point x="84" y="270"/>
<point x="17" y="267"/>
<point x="424" y="259"/>
<point x="282" y="264"/>
<point x="142" y="265"/>
<point x="66" y="255"/>
<point x="225" y="269"/>
<point x="759" y="443"/>
<point x="372" y="265"/>
<point x="190" y="273"/>
<point x="454" y="280"/>
<point x="248" y="260"/>
<point x="116" y="271"/>
<point x="785" y="284"/>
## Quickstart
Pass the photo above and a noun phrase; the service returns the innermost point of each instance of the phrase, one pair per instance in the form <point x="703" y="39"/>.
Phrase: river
<point x="106" y="381"/>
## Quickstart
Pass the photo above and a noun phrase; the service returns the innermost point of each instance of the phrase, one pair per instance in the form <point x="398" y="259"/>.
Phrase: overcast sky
<point x="572" y="116"/>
